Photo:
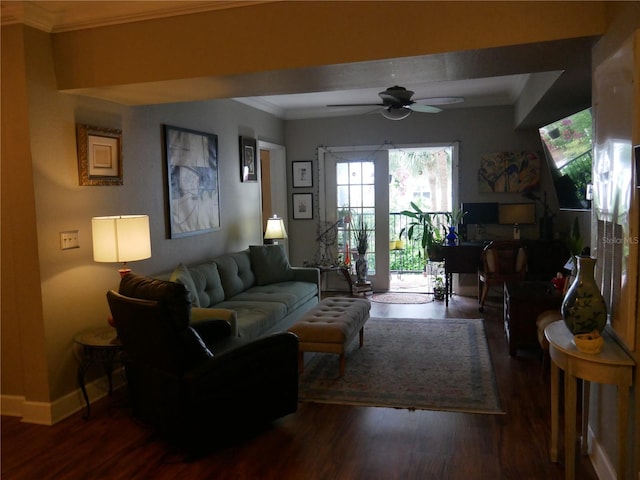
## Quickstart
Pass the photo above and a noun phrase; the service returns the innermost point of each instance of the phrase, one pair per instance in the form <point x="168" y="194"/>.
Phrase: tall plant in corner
<point x="361" y="239"/>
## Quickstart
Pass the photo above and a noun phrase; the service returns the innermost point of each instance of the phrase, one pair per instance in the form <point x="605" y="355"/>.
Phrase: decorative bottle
<point x="584" y="309"/>
<point x="452" y="237"/>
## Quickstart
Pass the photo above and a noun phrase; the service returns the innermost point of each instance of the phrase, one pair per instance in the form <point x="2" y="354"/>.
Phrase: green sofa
<point x="255" y="290"/>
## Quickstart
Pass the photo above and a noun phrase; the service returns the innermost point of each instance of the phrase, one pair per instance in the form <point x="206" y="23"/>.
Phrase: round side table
<point x="99" y="345"/>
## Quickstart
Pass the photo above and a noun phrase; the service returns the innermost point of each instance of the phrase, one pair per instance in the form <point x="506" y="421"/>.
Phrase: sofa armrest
<point x="201" y="314"/>
<point x="307" y="274"/>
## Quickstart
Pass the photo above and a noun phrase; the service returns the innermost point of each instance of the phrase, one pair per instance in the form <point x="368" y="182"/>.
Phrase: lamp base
<point x="124" y="272"/>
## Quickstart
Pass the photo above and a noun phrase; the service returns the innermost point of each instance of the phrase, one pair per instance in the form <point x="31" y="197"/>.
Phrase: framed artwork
<point x="248" y="161"/>
<point x="192" y="172"/>
<point x="303" y="206"/>
<point x="302" y="174"/>
<point x="509" y="172"/>
<point x="99" y="155"/>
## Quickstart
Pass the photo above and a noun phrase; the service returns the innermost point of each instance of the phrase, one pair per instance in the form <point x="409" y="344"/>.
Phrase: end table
<point x="99" y="345"/>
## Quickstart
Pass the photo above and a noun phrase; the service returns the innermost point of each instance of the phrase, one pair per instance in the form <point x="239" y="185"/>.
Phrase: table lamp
<point x="121" y="238"/>
<point x="516" y="214"/>
<point x="275" y="229"/>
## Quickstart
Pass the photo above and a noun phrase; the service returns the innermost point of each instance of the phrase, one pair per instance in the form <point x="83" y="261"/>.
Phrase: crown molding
<point x="54" y="17"/>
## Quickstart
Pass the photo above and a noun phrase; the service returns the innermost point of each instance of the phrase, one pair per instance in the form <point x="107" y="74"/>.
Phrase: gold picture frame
<point x="99" y="155"/>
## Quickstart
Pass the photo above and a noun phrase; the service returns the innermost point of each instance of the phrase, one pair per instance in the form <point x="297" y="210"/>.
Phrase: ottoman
<point x="330" y="326"/>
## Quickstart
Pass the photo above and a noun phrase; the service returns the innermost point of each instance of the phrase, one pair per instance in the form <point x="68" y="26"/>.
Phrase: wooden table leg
<point x="623" y="415"/>
<point x="555" y="391"/>
<point x="584" y="426"/>
<point x="570" y="399"/>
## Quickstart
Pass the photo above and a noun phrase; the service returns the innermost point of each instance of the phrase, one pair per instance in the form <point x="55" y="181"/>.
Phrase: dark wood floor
<point x="320" y="441"/>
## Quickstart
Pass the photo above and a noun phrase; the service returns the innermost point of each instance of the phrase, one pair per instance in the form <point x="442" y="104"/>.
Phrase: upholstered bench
<point x="330" y="327"/>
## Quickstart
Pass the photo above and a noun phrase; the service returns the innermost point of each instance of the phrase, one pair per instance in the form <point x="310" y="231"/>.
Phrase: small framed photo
<point x="303" y="206"/>
<point x="248" y="160"/>
<point x="302" y="174"/>
<point x="99" y="155"/>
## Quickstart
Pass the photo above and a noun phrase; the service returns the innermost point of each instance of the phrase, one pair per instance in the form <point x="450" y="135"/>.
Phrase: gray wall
<point x="478" y="131"/>
<point x="73" y="285"/>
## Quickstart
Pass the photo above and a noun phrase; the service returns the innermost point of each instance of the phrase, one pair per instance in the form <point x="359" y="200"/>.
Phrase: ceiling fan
<point x="397" y="104"/>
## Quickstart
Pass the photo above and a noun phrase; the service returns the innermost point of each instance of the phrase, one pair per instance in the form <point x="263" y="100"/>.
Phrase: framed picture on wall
<point x="302" y="174"/>
<point x="99" y="155"/>
<point x="303" y="206"/>
<point x="248" y="160"/>
<point x="192" y="172"/>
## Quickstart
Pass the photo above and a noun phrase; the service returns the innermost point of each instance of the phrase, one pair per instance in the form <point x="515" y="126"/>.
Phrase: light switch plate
<point x="69" y="240"/>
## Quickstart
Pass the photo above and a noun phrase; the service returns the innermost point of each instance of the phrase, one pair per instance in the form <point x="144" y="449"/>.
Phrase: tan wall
<point x="24" y="360"/>
<point x="285" y="35"/>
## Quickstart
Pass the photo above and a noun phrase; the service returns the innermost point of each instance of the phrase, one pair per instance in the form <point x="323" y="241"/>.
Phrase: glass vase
<point x="584" y="309"/>
<point x="362" y="268"/>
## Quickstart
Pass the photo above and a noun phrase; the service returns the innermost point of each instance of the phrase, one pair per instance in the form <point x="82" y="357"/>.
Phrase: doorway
<point x="357" y="182"/>
<point x="424" y="177"/>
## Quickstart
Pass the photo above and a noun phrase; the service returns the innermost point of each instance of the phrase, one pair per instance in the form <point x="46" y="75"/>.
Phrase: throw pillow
<point x="270" y="264"/>
<point x="181" y="275"/>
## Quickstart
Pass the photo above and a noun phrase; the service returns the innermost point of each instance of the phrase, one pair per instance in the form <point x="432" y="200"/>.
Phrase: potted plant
<point x="454" y="218"/>
<point x="439" y="288"/>
<point x="361" y="239"/>
<point x="424" y="227"/>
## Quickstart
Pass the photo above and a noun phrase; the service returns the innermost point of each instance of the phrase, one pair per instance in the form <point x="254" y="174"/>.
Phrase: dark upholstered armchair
<point x="197" y="383"/>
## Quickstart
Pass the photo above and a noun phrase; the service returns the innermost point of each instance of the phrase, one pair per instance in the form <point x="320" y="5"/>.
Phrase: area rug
<point x="392" y="297"/>
<point x="424" y="364"/>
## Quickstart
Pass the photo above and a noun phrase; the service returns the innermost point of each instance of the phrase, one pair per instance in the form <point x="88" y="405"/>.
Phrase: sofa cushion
<point x="181" y="275"/>
<point x="254" y="318"/>
<point x="207" y="283"/>
<point x="291" y="294"/>
<point x="235" y="273"/>
<point x="270" y="264"/>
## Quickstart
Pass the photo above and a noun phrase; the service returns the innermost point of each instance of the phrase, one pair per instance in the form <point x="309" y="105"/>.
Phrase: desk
<point x="460" y="259"/>
<point x="611" y="366"/>
<point x="100" y="345"/>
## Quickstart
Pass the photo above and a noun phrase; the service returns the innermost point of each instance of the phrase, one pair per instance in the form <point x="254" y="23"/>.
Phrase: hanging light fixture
<point x="393" y="113"/>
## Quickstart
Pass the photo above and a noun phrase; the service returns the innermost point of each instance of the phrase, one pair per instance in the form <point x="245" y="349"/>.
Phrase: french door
<point x="354" y="184"/>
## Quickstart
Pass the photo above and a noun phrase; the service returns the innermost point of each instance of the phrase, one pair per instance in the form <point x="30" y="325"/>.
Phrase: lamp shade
<point x="517" y="213"/>
<point x="121" y="238"/>
<point x="275" y="229"/>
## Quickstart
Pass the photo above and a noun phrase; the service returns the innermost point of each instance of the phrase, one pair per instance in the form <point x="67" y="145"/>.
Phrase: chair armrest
<point x="200" y="314"/>
<point x="307" y="274"/>
<point x="212" y="330"/>
<point x="262" y="357"/>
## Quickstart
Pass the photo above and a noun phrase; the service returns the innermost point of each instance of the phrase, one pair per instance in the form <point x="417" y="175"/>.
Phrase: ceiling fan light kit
<point x="397" y="104"/>
<point x="391" y="113"/>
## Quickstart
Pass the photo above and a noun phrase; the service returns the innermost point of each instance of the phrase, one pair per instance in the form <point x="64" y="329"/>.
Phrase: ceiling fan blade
<point x="440" y="100"/>
<point x="358" y="105"/>
<point x="424" y="108"/>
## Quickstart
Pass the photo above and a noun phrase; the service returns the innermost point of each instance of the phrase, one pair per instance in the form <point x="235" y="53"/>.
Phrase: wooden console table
<point x="611" y="366"/>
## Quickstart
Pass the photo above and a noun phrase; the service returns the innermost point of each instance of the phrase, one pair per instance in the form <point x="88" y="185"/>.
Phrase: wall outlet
<point x="69" y="239"/>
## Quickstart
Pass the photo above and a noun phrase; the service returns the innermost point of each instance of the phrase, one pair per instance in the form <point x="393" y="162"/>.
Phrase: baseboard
<point x="50" y="413"/>
<point x="599" y="459"/>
